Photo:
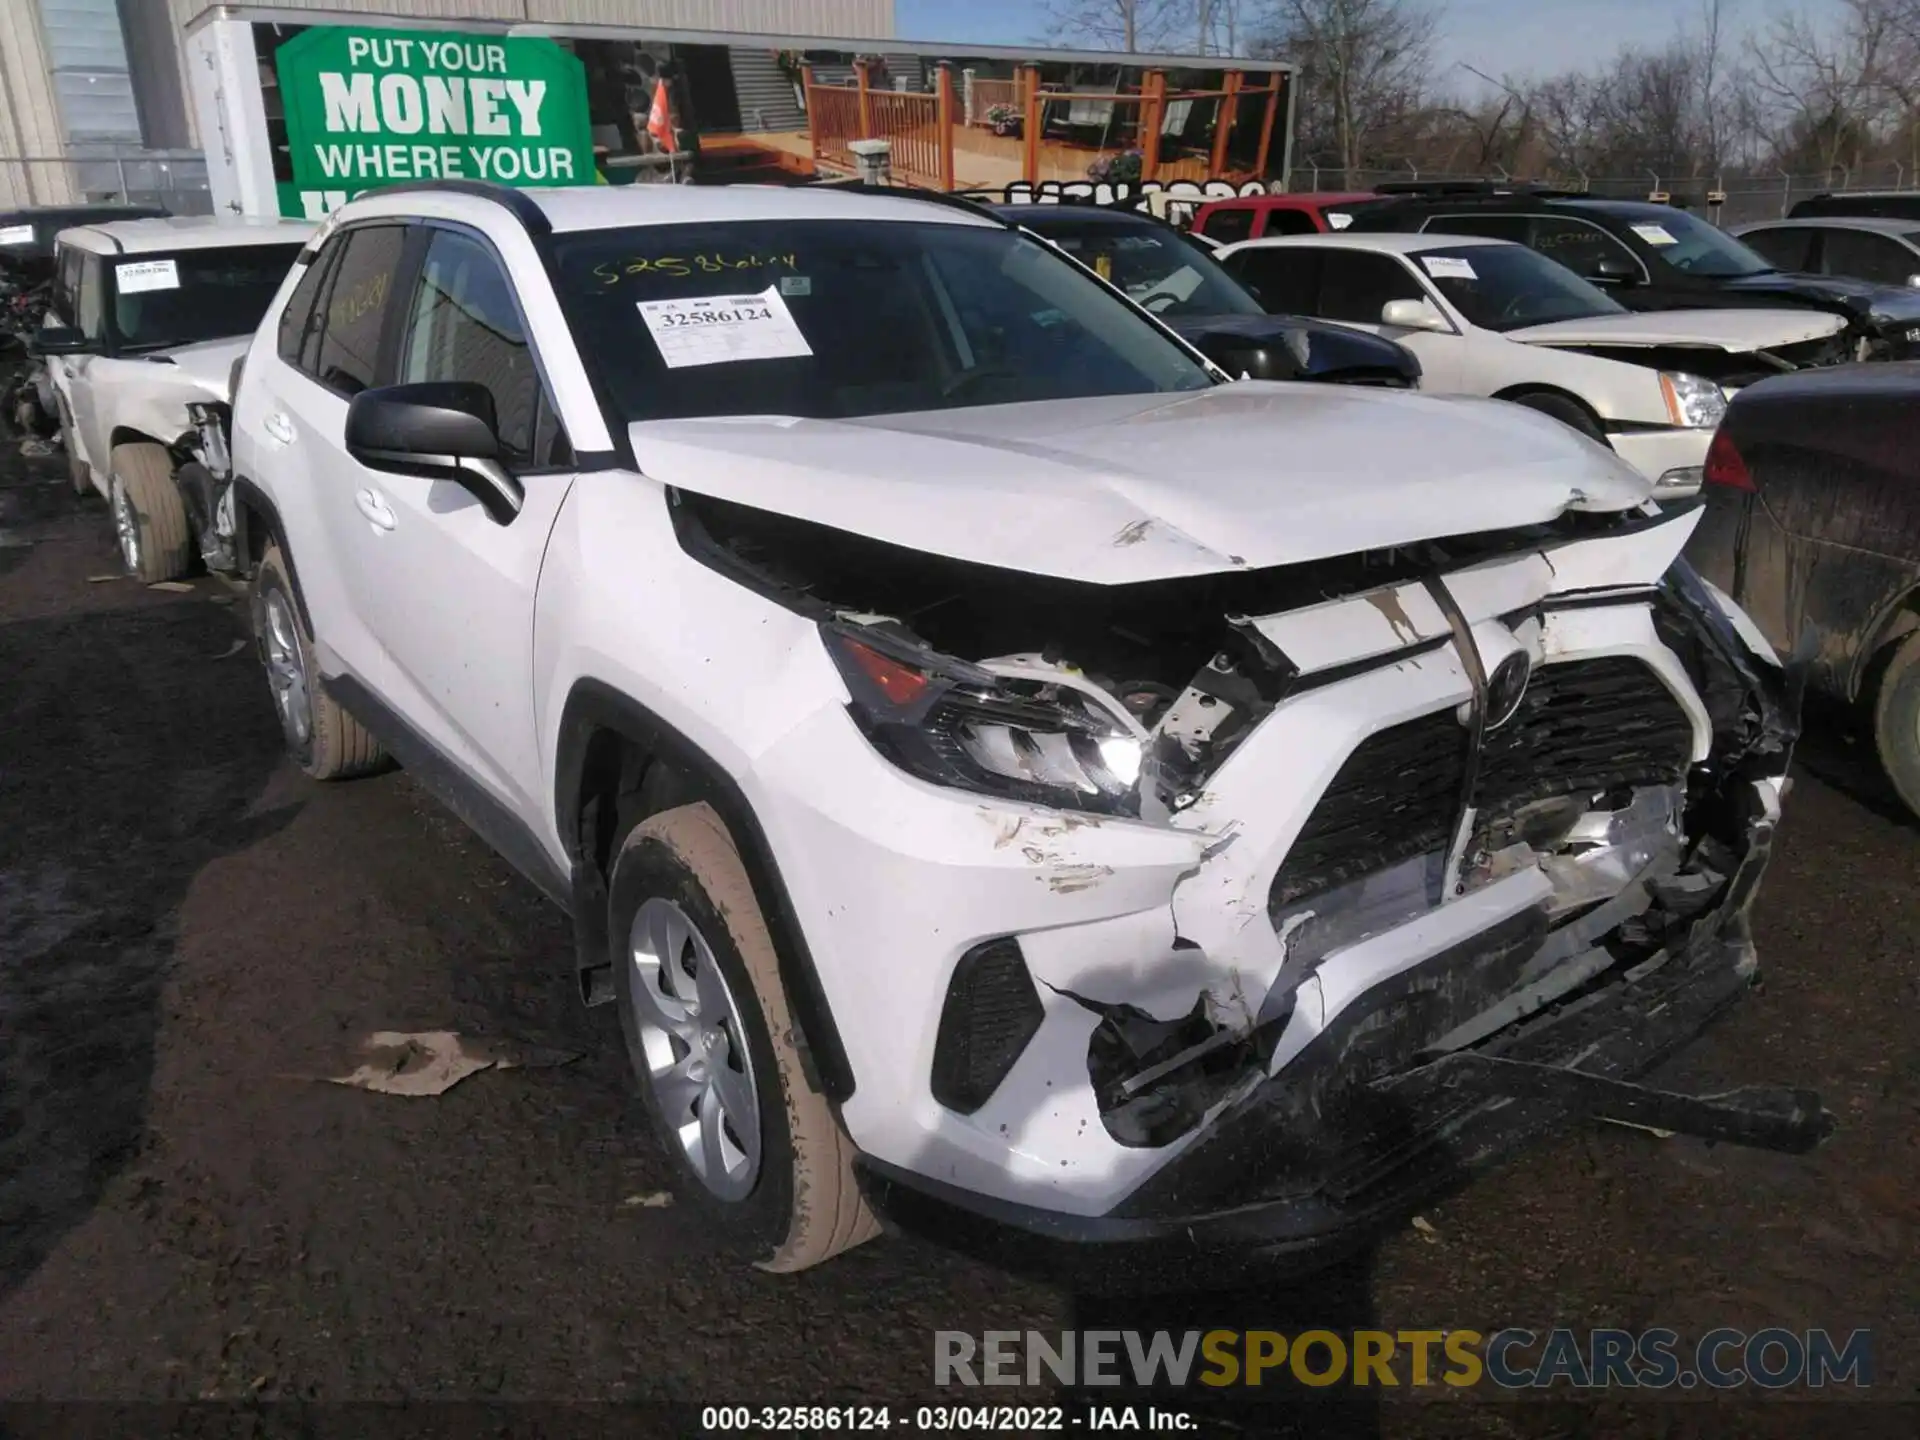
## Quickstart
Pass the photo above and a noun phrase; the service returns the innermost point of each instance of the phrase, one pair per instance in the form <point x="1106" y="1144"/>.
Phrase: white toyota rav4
<point x="1014" y="782"/>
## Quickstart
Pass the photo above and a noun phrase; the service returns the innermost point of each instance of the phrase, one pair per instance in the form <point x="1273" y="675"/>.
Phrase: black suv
<point x="1650" y="256"/>
<point x="1178" y="280"/>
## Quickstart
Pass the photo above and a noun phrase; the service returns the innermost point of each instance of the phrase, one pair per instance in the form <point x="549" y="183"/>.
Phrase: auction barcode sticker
<point x="139" y="275"/>
<point x="715" y="329"/>
<point x="16" y="235"/>
<point x="1654" y="234"/>
<point x="1448" y="267"/>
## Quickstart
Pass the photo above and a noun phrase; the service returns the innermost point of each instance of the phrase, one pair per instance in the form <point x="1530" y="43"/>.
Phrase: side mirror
<point x="1612" y="270"/>
<point x="61" y="340"/>
<point x="438" y="430"/>
<point x="1241" y="357"/>
<point x="1413" y="315"/>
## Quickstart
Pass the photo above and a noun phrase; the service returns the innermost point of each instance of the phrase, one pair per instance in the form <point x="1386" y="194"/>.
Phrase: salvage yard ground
<point x="193" y="938"/>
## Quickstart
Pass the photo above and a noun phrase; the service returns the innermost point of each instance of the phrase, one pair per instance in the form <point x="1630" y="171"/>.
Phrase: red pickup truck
<point x="1250" y="217"/>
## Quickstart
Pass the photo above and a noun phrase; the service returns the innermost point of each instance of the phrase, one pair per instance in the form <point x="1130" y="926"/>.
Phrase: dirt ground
<point x="191" y="933"/>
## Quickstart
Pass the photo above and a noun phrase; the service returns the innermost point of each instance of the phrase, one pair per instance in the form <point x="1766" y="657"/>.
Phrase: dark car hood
<point x="1858" y="297"/>
<point x="1323" y="347"/>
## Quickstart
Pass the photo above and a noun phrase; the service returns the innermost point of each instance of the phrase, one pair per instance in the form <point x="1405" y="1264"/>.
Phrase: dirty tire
<point x="335" y="746"/>
<point x="1565" y="411"/>
<point x="144" y="473"/>
<point x="78" y="473"/>
<point x="805" y="1206"/>
<point x="1896" y="722"/>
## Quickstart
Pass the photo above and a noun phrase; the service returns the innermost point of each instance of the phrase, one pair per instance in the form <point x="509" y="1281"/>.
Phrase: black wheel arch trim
<point x="249" y="497"/>
<point x="593" y="706"/>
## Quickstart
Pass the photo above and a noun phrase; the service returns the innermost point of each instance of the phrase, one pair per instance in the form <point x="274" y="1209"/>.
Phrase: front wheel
<point x="753" y="1147"/>
<point x="1896" y="722"/>
<point x="1566" y="411"/>
<point x="322" y="739"/>
<point x="149" y="519"/>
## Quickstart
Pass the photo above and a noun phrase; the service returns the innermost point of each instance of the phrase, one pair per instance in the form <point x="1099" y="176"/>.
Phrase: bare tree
<point x="1129" y="25"/>
<point x="1365" y="67"/>
<point x="1826" y="86"/>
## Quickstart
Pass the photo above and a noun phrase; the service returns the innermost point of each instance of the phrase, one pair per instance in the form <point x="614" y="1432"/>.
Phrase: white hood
<point x="1141" y="487"/>
<point x="1731" y="330"/>
<point x="209" y="364"/>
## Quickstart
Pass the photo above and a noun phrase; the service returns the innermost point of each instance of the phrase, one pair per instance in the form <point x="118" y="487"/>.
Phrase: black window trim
<point x="1646" y="274"/>
<point x="426" y="226"/>
<point x="328" y="254"/>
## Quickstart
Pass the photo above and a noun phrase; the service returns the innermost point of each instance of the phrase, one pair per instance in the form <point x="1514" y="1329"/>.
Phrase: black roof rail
<point x="524" y="209"/>
<point x="1491" y="188"/>
<point x="952" y="200"/>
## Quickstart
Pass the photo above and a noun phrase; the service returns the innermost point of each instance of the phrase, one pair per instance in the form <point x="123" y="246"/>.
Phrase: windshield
<point x="164" y="300"/>
<point x="1163" y="271"/>
<point x="1506" y="287"/>
<point x="1690" y="244"/>
<point x="833" y="319"/>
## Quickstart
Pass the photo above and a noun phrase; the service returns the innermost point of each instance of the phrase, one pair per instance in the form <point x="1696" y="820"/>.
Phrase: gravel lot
<point x="190" y="933"/>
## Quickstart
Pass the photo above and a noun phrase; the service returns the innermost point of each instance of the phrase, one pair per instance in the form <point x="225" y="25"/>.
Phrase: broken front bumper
<point x="1329" y="1153"/>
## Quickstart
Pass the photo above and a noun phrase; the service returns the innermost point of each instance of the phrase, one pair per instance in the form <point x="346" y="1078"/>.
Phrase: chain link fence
<point x="175" y="179"/>
<point x="1728" y="200"/>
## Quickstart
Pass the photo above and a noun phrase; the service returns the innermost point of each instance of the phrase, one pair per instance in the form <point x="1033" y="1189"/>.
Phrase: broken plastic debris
<point x="34" y="448"/>
<point x="103" y="579"/>
<point x="658" y="1200"/>
<point x="232" y="650"/>
<point x="1652" y="1130"/>
<point x="432" y="1062"/>
<point x="172" y="587"/>
<point x="1425" y="1227"/>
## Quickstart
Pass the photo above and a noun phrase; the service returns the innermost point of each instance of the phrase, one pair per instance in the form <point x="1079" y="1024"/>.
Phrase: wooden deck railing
<point x="919" y="127"/>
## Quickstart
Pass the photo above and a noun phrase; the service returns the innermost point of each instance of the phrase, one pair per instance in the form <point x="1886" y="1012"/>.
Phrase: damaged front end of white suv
<point x="1221" y="918"/>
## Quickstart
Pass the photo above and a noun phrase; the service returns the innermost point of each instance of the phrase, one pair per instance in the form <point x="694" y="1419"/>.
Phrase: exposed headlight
<point x="1692" y="401"/>
<point x="954" y="723"/>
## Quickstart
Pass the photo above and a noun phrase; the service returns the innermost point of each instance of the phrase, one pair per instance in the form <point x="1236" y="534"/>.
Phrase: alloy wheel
<point x="695" y="1048"/>
<point x="287" y="671"/>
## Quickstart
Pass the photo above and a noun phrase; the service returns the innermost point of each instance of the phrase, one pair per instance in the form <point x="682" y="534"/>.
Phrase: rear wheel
<point x="322" y="739"/>
<point x="1566" y="411"/>
<point x="149" y="518"/>
<point x="1896" y="722"/>
<point x="753" y="1147"/>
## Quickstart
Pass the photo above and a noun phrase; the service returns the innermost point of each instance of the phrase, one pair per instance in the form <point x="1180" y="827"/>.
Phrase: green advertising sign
<point x="372" y="107"/>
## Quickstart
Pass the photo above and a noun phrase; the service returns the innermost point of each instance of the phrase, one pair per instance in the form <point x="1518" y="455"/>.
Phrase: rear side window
<point x="296" y="321"/>
<point x="1863" y="255"/>
<point x="356" y="308"/>
<point x="1229" y="223"/>
<point x="1284" y="281"/>
<point x="1290" y="222"/>
<point x="1356" y="286"/>
<point x="1784" y="249"/>
<point x="1576" y="244"/>
<point x="90" y="305"/>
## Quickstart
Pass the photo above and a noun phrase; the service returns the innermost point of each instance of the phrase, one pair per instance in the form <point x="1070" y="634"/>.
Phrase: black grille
<point x="1581" y="728"/>
<point x="1811" y="354"/>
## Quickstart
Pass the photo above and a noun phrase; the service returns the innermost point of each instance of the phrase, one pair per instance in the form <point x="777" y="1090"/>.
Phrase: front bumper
<point x="1673" y="458"/>
<point x="1304" y="1170"/>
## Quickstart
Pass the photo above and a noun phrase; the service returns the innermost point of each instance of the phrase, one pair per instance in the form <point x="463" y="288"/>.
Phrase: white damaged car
<point x="149" y="319"/>
<point x="1492" y="318"/>
<point x="1013" y="782"/>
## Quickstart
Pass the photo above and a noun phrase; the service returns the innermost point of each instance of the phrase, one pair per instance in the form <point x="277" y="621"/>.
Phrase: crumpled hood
<point x="1142" y="487"/>
<point x="208" y="364"/>
<point x="1731" y="330"/>
<point x="1859" y="297"/>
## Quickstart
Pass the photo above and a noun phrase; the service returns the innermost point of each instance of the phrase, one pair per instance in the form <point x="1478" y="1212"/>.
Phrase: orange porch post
<point x="1223" y="123"/>
<point x="943" y="90"/>
<point x="1153" y="114"/>
<point x="1030" y="162"/>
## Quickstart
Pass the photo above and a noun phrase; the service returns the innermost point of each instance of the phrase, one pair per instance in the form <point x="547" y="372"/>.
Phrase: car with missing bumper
<point x="993" y="807"/>
<point x="1167" y="273"/>
<point x="149" y="318"/>
<point x="1492" y="318"/>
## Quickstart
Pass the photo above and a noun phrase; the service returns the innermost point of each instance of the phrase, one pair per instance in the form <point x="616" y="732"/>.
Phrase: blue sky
<point x="1499" y="36"/>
